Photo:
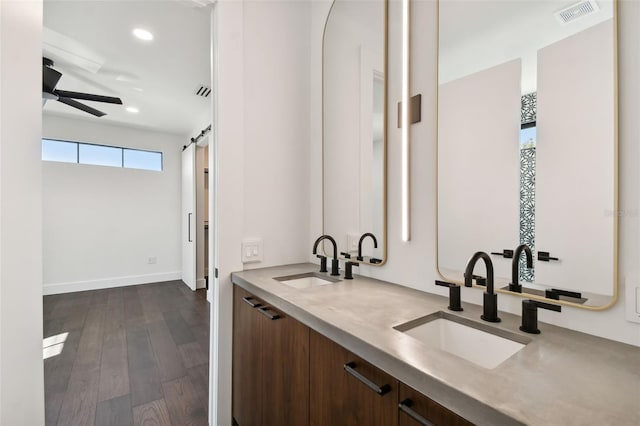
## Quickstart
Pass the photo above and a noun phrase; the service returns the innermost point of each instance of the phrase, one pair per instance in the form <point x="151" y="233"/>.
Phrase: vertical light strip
<point x="406" y="205"/>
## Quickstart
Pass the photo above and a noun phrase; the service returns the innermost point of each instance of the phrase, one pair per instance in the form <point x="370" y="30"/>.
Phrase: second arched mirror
<point x="354" y="127"/>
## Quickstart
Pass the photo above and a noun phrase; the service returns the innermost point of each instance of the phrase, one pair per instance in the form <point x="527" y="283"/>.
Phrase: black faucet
<point x="530" y="314"/>
<point x="348" y="269"/>
<point x="514" y="285"/>
<point x="454" y="295"/>
<point x="375" y="244"/>
<point x="334" y="262"/>
<point x="490" y="305"/>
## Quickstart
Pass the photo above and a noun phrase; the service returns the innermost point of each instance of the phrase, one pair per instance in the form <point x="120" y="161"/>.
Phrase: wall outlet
<point x="152" y="260"/>
<point x="352" y="242"/>
<point x="251" y="250"/>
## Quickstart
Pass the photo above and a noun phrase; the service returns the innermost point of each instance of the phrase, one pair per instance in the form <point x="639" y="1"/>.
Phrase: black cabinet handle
<point x="380" y="390"/>
<point x="189" y="227"/>
<point x="248" y="301"/>
<point x="506" y="253"/>
<point x="405" y="407"/>
<point x="545" y="256"/>
<point x="265" y="311"/>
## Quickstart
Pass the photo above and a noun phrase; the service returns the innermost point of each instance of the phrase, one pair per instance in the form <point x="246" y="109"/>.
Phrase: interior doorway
<point x="143" y="312"/>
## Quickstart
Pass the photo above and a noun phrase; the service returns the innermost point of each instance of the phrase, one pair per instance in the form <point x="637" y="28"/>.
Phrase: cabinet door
<point x="417" y="409"/>
<point x="341" y="397"/>
<point x="285" y="369"/>
<point x="246" y="371"/>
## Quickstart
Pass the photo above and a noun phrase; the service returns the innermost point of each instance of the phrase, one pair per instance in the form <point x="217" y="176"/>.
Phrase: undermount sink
<point x="306" y="280"/>
<point x="478" y="343"/>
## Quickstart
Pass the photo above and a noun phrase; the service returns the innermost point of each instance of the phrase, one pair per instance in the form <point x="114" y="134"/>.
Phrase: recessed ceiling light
<point x="143" y="34"/>
<point x="132" y="110"/>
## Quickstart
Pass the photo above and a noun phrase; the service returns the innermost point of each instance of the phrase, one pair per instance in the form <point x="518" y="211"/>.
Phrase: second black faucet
<point x="335" y="267"/>
<point x="490" y="305"/>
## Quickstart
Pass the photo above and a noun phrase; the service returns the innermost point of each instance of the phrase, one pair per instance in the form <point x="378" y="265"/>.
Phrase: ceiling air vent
<point x="577" y="11"/>
<point x="203" y="91"/>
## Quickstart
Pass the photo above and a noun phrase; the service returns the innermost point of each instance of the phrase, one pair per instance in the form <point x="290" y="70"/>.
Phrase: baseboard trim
<point x="71" y="287"/>
<point x="201" y="283"/>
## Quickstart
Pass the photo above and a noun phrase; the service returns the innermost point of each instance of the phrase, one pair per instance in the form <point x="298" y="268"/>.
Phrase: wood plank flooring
<point x="135" y="355"/>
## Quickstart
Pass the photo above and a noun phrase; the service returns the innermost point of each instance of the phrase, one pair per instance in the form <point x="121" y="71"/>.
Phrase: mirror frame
<point x="385" y="138"/>
<point x="616" y="172"/>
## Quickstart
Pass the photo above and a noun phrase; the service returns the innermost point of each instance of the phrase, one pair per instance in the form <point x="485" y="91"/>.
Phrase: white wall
<point x="585" y="209"/>
<point x="101" y="224"/>
<point x="261" y="74"/>
<point x="413" y="264"/>
<point x="478" y="196"/>
<point x="276" y="87"/>
<point x="21" y="367"/>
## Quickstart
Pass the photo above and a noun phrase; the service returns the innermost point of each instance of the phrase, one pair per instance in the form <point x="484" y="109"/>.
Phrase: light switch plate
<point x="251" y="250"/>
<point x="352" y="242"/>
<point x="632" y="302"/>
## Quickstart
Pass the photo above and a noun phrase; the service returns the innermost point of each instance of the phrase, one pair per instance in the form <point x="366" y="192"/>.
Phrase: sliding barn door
<point x="188" y="217"/>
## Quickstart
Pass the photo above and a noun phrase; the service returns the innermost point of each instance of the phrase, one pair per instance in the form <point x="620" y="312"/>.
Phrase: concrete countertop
<point x="562" y="377"/>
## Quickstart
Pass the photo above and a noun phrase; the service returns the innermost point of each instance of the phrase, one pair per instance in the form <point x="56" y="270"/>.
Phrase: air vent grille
<point x="203" y="91"/>
<point x="577" y="11"/>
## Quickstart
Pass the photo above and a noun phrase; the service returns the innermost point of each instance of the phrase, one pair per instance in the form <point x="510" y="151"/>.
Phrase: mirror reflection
<point x="527" y="143"/>
<point x="354" y="133"/>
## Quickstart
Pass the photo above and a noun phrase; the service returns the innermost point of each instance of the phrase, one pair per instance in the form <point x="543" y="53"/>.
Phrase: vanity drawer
<point x="415" y="408"/>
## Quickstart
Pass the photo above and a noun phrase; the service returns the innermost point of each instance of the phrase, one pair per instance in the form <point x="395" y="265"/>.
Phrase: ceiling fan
<point x="50" y="78"/>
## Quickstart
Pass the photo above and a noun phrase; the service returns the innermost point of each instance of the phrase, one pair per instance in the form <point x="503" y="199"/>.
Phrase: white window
<point x="65" y="152"/>
<point x="145" y="160"/>
<point x="100" y="155"/>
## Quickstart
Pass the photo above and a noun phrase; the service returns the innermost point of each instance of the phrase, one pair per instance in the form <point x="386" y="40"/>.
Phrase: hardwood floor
<point x="134" y="355"/>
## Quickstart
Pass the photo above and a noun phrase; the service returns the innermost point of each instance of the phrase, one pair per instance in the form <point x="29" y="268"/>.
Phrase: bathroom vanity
<point x="310" y="350"/>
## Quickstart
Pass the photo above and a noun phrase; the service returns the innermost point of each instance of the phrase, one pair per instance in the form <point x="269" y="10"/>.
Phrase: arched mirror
<point x="527" y="145"/>
<point x="354" y="128"/>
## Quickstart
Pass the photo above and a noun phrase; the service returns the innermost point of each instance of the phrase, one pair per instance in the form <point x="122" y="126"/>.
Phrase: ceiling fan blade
<point x="80" y="106"/>
<point x="50" y="78"/>
<point x="89" y="97"/>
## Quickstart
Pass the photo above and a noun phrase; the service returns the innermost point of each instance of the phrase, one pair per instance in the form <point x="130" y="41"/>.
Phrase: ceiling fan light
<point x="132" y="110"/>
<point x="143" y="34"/>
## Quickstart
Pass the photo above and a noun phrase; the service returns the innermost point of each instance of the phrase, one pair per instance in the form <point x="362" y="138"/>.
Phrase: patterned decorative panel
<point x="528" y="112"/>
<point x="527" y="207"/>
<point x="529" y="108"/>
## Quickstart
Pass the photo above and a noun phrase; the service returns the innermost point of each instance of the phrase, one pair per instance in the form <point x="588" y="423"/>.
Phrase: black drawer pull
<point x="265" y="311"/>
<point x="405" y="407"/>
<point x="248" y="301"/>
<point x="380" y="390"/>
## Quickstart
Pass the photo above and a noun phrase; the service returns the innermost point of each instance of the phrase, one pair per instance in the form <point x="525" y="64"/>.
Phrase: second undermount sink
<point x="306" y="280"/>
<point x="478" y="343"/>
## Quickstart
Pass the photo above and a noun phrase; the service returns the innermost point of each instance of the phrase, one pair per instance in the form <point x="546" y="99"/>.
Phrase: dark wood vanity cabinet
<point x="270" y="365"/>
<point x="417" y="409"/>
<point x="346" y="390"/>
<point x="287" y="374"/>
